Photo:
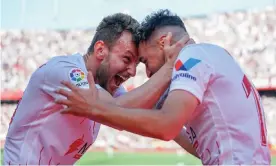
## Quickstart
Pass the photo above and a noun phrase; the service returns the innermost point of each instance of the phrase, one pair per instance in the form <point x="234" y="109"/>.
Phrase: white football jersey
<point x="38" y="133"/>
<point x="228" y="126"/>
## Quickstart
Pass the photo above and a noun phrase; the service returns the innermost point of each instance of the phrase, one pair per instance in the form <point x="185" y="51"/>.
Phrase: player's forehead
<point x="125" y="45"/>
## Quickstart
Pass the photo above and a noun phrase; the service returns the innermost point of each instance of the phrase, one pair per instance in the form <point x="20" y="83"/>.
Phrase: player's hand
<point x="172" y="51"/>
<point x="79" y="101"/>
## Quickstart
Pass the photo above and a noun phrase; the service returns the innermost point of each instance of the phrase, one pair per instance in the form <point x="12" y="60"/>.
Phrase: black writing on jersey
<point x="81" y="84"/>
<point x="82" y="150"/>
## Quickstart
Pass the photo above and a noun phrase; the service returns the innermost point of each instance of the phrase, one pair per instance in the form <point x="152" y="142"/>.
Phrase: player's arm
<point x="185" y="94"/>
<point x="163" y="124"/>
<point x="183" y="140"/>
<point x="55" y="73"/>
<point x="146" y="95"/>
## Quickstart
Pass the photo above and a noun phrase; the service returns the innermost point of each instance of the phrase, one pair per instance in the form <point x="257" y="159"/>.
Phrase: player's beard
<point x="102" y="75"/>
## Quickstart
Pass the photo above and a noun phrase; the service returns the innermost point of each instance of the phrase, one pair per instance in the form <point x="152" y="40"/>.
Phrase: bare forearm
<point x="147" y="123"/>
<point x="147" y="94"/>
<point x="183" y="141"/>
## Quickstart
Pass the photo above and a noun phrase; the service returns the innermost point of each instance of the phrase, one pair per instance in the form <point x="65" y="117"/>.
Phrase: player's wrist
<point x="97" y="109"/>
<point x="170" y="63"/>
<point x="168" y="67"/>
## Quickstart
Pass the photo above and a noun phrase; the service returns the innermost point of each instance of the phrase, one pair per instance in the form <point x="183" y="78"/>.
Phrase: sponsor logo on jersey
<point x="79" y="146"/>
<point x="186" y="75"/>
<point x="188" y="65"/>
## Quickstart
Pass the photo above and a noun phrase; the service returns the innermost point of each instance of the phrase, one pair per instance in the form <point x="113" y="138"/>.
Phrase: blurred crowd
<point x="249" y="36"/>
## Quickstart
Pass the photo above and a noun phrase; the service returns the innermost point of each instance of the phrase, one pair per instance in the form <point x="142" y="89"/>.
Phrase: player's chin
<point x="111" y="87"/>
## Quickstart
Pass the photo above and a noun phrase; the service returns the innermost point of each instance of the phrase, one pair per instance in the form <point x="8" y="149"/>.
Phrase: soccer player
<point x="209" y="94"/>
<point x="39" y="135"/>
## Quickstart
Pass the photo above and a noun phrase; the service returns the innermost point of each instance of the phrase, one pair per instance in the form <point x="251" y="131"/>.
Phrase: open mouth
<point x="119" y="79"/>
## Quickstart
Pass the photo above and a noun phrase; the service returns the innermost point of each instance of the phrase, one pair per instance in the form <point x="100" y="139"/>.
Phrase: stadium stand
<point x="249" y="36"/>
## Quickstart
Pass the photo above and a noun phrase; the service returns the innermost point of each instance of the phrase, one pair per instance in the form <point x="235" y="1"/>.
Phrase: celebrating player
<point x="40" y="135"/>
<point x="209" y="94"/>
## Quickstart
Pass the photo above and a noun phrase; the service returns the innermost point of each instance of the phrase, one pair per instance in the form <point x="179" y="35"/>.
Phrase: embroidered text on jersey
<point x="186" y="75"/>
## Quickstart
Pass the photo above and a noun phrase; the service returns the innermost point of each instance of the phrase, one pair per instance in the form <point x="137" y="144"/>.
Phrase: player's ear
<point x="161" y="42"/>
<point x="100" y="50"/>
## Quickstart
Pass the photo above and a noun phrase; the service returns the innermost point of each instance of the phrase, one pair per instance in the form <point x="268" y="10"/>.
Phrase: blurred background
<point x="32" y="31"/>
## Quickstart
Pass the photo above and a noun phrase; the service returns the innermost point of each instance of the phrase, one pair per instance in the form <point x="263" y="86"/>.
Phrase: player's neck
<point x="91" y="65"/>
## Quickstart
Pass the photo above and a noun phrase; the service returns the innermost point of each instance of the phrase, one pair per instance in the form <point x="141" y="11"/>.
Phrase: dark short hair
<point x="112" y="26"/>
<point x="159" y="19"/>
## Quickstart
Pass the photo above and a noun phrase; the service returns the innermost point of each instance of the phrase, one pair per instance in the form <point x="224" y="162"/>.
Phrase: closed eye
<point x="127" y="59"/>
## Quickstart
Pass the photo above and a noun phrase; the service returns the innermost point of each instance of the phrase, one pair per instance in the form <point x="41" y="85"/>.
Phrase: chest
<point x="72" y="135"/>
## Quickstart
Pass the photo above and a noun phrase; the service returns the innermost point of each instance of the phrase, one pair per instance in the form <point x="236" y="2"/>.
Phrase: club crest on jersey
<point x="189" y="64"/>
<point x="77" y="77"/>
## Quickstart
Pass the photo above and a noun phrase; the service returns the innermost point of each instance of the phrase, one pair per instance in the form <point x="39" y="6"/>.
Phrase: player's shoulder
<point x="195" y="58"/>
<point x="202" y="52"/>
<point x="199" y="48"/>
<point x="200" y="45"/>
<point x="66" y="64"/>
<point x="67" y="68"/>
<point x="65" y="60"/>
<point x="54" y="67"/>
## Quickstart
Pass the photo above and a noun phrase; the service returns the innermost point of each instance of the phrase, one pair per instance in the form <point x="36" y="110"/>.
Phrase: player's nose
<point x="132" y="70"/>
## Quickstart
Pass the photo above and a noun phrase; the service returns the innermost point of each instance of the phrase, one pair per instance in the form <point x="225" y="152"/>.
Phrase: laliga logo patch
<point x="77" y="77"/>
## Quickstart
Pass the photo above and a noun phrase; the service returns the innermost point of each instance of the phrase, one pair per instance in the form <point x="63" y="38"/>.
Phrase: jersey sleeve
<point x="63" y="71"/>
<point x="191" y="72"/>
